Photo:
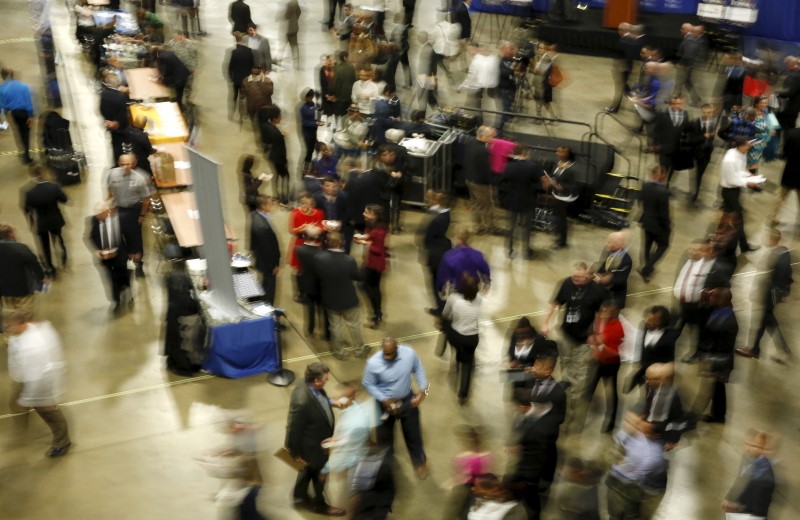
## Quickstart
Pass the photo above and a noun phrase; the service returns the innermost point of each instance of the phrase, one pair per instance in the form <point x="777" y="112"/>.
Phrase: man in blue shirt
<point x="15" y="99"/>
<point x="387" y="378"/>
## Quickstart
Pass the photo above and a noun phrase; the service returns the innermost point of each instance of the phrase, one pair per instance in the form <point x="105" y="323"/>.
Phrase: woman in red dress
<point x="305" y="224"/>
<point x="605" y="341"/>
<point x="375" y="254"/>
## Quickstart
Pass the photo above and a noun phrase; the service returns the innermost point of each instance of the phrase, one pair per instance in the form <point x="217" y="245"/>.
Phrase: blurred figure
<point x="655" y="220"/>
<point x="36" y="365"/>
<point x="129" y="190"/>
<point x="260" y="46"/>
<point x="239" y="16"/>
<point x="763" y="133"/>
<point x="561" y="185"/>
<point x="703" y="131"/>
<point x="173" y="73"/>
<point x="768" y="292"/>
<point x="790" y="179"/>
<point x="615" y="267"/>
<point x="376" y="255"/>
<point x="250" y="183"/>
<point x="520" y="181"/>
<point x="15" y="99"/>
<point x="630" y="48"/>
<point x="292" y="17"/>
<point x="373" y="485"/>
<point x="41" y="206"/>
<point x="460" y="260"/>
<point x="662" y="404"/>
<point x="733" y="176"/>
<point x="435" y="242"/>
<point x="790" y="93"/>
<point x="108" y="244"/>
<point x="461" y="323"/>
<point x="474" y="460"/>
<point x="488" y="497"/>
<point x="427" y="84"/>
<point x="265" y="247"/>
<point x="730" y="83"/>
<point x="671" y="136"/>
<point x="636" y="484"/>
<point x="273" y="142"/>
<point x="751" y="493"/>
<point x="576" y="491"/>
<point x="657" y="342"/>
<point x="257" y="90"/>
<point x="307" y="113"/>
<point x="239" y="64"/>
<point x="184" y="333"/>
<point x="542" y="86"/>
<point x="478" y="179"/>
<point x="691" y="51"/>
<point x="605" y="340"/>
<point x="310" y="423"/>
<point x="506" y="82"/>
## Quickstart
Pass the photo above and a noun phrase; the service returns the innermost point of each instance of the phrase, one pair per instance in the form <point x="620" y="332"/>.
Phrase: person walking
<point x="21" y="275"/>
<point x="128" y="190"/>
<point x="387" y="378"/>
<point x="240" y="62"/>
<point x="376" y="254"/>
<point x="461" y="318"/>
<point x="15" y="99"/>
<point x="40" y="205"/>
<point x="733" y="176"/>
<point x="36" y="365"/>
<point x="655" y="220"/>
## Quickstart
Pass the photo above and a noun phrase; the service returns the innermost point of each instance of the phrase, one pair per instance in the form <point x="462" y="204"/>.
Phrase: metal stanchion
<point x="283" y="376"/>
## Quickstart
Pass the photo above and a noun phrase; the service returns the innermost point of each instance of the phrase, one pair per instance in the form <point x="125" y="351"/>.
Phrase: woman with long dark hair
<point x="250" y="182"/>
<point x="375" y="254"/>
<point x="462" y="313"/>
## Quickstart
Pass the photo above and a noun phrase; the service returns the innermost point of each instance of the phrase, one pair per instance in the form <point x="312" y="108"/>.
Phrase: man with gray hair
<point x="128" y="189"/>
<point x="478" y="177"/>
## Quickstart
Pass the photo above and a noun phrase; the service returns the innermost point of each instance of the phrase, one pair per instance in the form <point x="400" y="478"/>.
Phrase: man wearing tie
<point x="264" y="245"/>
<point x="105" y="235"/>
<point x="703" y="130"/>
<point x="655" y="220"/>
<point x="615" y="267"/>
<point x="310" y="422"/>
<point x="670" y="126"/>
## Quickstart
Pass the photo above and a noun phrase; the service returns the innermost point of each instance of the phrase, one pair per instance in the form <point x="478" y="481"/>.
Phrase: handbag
<point x="555" y="78"/>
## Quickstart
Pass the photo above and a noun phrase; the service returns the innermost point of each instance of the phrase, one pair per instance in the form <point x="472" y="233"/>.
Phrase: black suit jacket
<point x="519" y="182"/>
<point x="535" y="438"/>
<point x="663" y="351"/>
<point x="363" y="189"/>
<point x="20" y="271"/>
<point x="780" y="282"/>
<point x="718" y="339"/>
<point x="655" y="216"/>
<point x="273" y="141"/>
<point x="620" y="270"/>
<point x="41" y="205"/>
<point x="307" y="281"/>
<point x="703" y="146"/>
<point x="114" y="107"/>
<point x="791" y="92"/>
<point x="239" y="16"/>
<point x="172" y="70"/>
<point x="435" y="240"/>
<point x="240" y="63"/>
<point x="666" y="134"/>
<point x="461" y="17"/>
<point x="340" y="204"/>
<point x="791" y="152"/>
<point x="308" y="426"/>
<point x="756" y="492"/>
<point x="477" y="163"/>
<point x="264" y="244"/>
<point x="336" y="272"/>
<point x="96" y="243"/>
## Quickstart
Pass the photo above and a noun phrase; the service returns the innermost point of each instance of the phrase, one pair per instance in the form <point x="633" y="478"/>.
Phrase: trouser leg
<point x="719" y="401"/>
<point x="60" y="239"/>
<point x="44" y="245"/>
<point x="337" y="332"/>
<point x="780" y="198"/>
<point x="409" y="421"/>
<point x="57" y="423"/>
<point x="352" y="320"/>
<point x="20" y="118"/>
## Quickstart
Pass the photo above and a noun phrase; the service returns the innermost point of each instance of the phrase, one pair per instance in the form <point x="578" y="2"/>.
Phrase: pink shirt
<point x="469" y="465"/>
<point x="499" y="150"/>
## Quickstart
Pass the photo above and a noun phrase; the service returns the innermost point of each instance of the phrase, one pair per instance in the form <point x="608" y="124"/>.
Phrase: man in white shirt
<point x="483" y="73"/>
<point x="733" y="176"/>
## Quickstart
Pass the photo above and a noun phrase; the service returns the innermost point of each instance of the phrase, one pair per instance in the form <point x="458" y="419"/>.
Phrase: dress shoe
<point x="747" y="352"/>
<point x="610" y="110"/>
<point x="712" y="419"/>
<point x="330" y="511"/>
<point x="645" y="276"/>
<point x="58" y="452"/>
<point x="433" y="312"/>
<point x="691" y="358"/>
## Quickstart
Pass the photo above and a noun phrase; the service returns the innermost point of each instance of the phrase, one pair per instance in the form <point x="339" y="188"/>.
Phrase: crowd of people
<point x="353" y="168"/>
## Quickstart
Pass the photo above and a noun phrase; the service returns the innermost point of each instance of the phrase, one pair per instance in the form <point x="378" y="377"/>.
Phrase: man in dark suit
<point x="240" y="62"/>
<point x="615" y="267"/>
<point x="239" y="16"/>
<point x="107" y="241"/>
<point x="20" y="273"/>
<point x="692" y="50"/>
<point x="114" y="109"/>
<point x="273" y="141"/>
<point x="751" y="493"/>
<point x="769" y="293"/>
<point x="311" y="421"/>
<point x="670" y="130"/>
<point x="461" y="17"/>
<point x="363" y="189"/>
<point x="655" y="220"/>
<point x="631" y="41"/>
<point x="309" y="288"/>
<point x="40" y="204"/>
<point x="656" y="341"/>
<point x="336" y="272"/>
<point x="716" y="348"/>
<point x="333" y="203"/>
<point x="435" y="242"/>
<point x="790" y="179"/>
<point x="791" y="94"/>
<point x="731" y="81"/>
<point x="703" y="130"/>
<point x="264" y="245"/>
<point x="520" y="181"/>
<point x="173" y="73"/>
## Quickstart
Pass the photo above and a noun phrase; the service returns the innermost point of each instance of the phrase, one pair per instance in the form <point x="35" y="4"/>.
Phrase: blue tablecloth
<point x="243" y="349"/>
<point x="503" y="7"/>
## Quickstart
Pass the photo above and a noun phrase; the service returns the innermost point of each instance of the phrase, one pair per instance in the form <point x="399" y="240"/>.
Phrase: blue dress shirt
<point x="392" y="379"/>
<point x="15" y="95"/>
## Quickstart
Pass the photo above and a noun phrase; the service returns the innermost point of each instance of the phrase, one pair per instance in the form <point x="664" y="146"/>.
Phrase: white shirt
<point x="651" y="337"/>
<point x="484" y="72"/>
<point x="689" y="289"/>
<point x="364" y="95"/>
<point x="463" y="314"/>
<point x="733" y="169"/>
<point x="35" y="360"/>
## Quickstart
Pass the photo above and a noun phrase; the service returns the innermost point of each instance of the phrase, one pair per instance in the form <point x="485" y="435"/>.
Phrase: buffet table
<point x="165" y="122"/>
<point x="143" y="84"/>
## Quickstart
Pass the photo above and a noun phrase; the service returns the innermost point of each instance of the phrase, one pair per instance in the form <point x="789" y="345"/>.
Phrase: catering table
<point x="184" y="216"/>
<point x="183" y="170"/>
<point x="143" y="84"/>
<point x="165" y="122"/>
<point x="243" y="349"/>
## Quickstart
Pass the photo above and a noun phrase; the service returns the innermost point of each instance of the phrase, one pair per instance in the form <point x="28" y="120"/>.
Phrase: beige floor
<point x="136" y="428"/>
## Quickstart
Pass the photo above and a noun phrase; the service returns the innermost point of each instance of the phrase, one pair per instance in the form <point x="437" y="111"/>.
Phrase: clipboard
<point x="283" y="455"/>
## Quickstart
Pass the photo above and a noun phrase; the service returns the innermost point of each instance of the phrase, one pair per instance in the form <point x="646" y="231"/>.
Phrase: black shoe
<point x="691" y="358"/>
<point x="433" y="312"/>
<point x="58" y="452"/>
<point x="610" y="110"/>
<point x="139" y="272"/>
<point x="529" y="254"/>
<point x="645" y="276"/>
<point x="712" y="419"/>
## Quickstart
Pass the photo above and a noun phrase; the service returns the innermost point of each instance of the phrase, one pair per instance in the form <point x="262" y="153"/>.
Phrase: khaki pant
<point x="779" y="200"/>
<point x="350" y="318"/>
<point x="480" y="196"/>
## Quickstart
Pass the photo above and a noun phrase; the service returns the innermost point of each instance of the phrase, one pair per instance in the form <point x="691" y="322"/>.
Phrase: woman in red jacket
<point x="605" y="342"/>
<point x="375" y="254"/>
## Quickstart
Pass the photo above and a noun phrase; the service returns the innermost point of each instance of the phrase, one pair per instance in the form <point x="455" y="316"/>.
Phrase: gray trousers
<point x="350" y="318"/>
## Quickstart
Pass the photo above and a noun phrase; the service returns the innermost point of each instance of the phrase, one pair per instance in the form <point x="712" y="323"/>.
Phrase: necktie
<point x="323" y="402"/>
<point x="608" y="262"/>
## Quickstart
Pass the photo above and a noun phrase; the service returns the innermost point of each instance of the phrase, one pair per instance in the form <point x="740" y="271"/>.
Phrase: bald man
<point x="662" y="403"/>
<point x="615" y="267"/>
<point x="129" y="191"/>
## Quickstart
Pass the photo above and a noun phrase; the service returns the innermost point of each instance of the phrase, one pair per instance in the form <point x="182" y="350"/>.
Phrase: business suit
<point x="536" y="440"/>
<point x="310" y="422"/>
<point x="778" y="287"/>
<point x="670" y="132"/>
<point x="309" y="288"/>
<point x="619" y="267"/>
<point x="240" y="63"/>
<point x="791" y="93"/>
<point x="336" y="272"/>
<point x="461" y="15"/>
<point x="520" y="182"/>
<point x="274" y="144"/>
<point x="702" y="135"/>
<point x="731" y="85"/>
<point x="790" y="178"/>
<point x="265" y="248"/>
<point x="436" y="244"/>
<point x="754" y="487"/>
<point x="656" y="223"/>
<point x="114" y="108"/>
<point x="691" y="50"/>
<point x="20" y="275"/>
<point x="717" y="344"/>
<point x="660" y="351"/>
<point x="364" y="189"/>
<point x="41" y="207"/>
<point x="174" y="73"/>
<point x="239" y="16"/>
<point x="117" y="266"/>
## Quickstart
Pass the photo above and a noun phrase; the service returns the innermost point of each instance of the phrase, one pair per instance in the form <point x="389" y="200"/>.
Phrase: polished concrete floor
<point x="136" y="428"/>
